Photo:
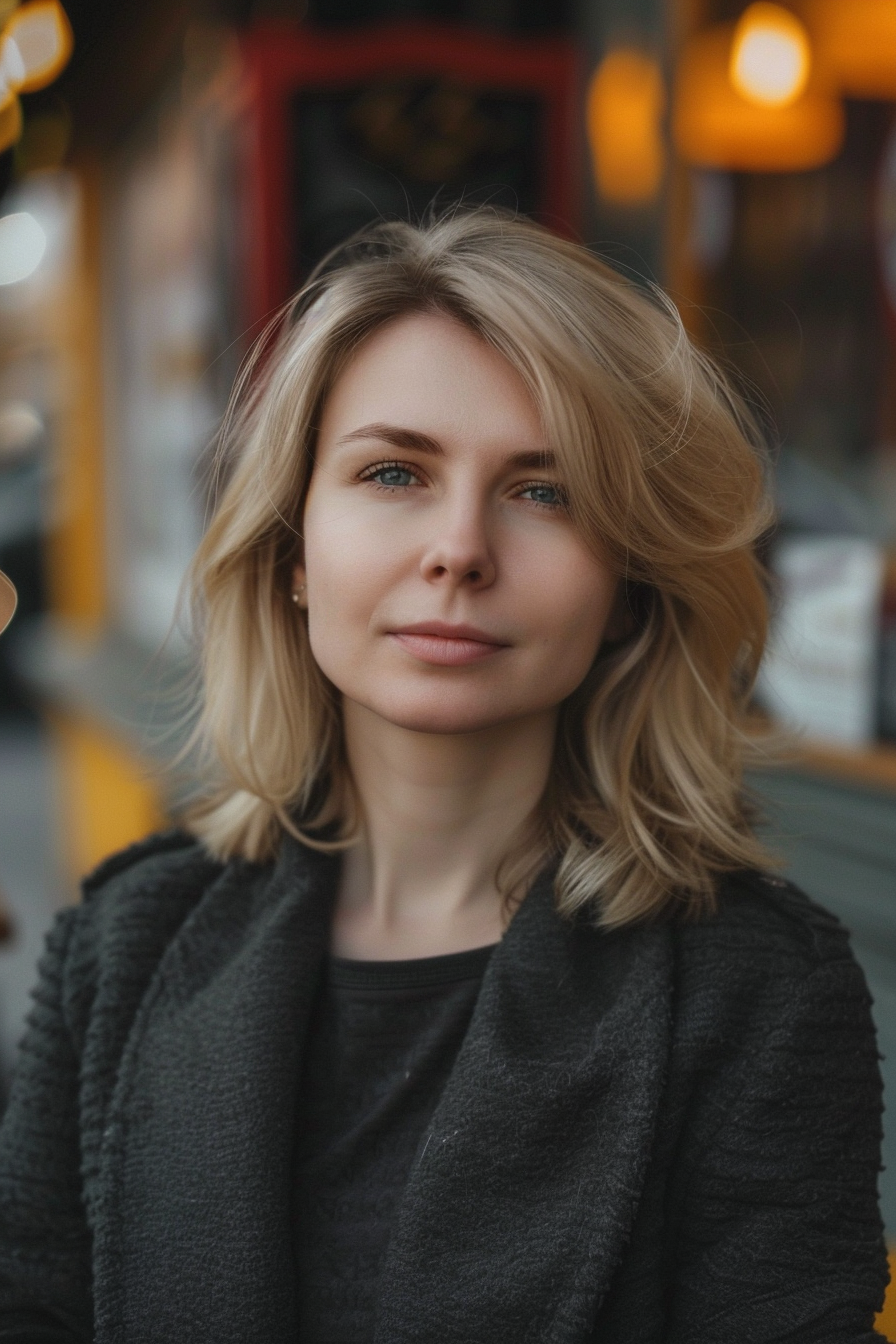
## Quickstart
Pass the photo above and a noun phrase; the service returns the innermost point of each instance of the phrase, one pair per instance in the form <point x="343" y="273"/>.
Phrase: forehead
<point x="427" y="371"/>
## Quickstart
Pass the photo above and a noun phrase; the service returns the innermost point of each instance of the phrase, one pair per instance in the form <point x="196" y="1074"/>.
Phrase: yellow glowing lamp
<point x="855" y="43"/>
<point x="715" y="125"/>
<point x="625" y="105"/>
<point x="770" y="56"/>
<point x="35" y="45"/>
<point x="41" y="36"/>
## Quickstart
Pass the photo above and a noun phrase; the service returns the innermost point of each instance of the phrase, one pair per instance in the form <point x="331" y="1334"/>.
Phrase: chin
<point x="444" y="715"/>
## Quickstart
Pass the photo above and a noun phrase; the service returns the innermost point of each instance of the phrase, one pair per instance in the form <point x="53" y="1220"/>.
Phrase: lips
<point x="446" y="645"/>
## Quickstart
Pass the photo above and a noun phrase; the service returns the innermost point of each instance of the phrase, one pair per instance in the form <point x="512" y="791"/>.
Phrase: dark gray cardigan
<point x="668" y="1133"/>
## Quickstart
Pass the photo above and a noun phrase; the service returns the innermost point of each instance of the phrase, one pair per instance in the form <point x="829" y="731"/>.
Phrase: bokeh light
<point x="22" y="246"/>
<point x="770" y="56"/>
<point x="626" y="100"/>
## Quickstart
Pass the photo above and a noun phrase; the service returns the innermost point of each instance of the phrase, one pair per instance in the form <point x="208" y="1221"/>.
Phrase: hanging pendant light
<point x="35" y="45"/>
<point x="770" y="56"/>
<point x="747" y="97"/>
<point x="855" y="43"/>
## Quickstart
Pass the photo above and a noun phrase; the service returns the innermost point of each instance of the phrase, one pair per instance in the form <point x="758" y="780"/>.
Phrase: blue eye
<point x="549" y="496"/>
<point x="392" y="477"/>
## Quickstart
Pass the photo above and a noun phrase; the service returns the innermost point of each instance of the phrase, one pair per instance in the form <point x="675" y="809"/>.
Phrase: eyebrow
<point x="415" y="440"/>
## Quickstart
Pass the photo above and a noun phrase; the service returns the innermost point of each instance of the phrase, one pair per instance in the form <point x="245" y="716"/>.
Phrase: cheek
<point x="575" y="597"/>
<point x="337" y="547"/>
<point x="580" y="633"/>
<point x="348" y="569"/>
<point x="332" y="557"/>
<point x="574" y="628"/>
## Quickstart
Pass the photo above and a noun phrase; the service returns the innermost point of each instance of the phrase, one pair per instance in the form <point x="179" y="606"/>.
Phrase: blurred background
<point x="169" y="172"/>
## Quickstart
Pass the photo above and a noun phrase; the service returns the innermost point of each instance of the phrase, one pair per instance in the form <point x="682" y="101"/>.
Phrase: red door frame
<point x="279" y="59"/>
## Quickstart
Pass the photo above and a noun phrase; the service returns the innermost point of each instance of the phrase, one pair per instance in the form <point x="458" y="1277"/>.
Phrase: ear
<point x="299" y="588"/>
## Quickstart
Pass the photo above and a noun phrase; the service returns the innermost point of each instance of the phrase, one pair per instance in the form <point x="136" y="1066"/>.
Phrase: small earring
<point x="297" y="595"/>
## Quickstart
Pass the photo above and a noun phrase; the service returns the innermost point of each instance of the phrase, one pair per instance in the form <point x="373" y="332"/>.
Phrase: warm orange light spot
<point x="37" y="44"/>
<point x="770" y="56"/>
<point x="855" y="44"/>
<point x="626" y="100"/>
<point x="715" y="126"/>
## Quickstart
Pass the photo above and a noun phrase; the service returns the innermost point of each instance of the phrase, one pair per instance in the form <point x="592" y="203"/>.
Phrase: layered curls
<point x="645" y="804"/>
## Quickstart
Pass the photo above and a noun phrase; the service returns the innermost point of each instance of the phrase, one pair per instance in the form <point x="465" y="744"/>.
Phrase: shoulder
<point x="132" y="906"/>
<point x="774" y="1097"/>
<point x="766" y="917"/>
<point x="768" y="959"/>
<point x="151" y="862"/>
<point x="158" y="878"/>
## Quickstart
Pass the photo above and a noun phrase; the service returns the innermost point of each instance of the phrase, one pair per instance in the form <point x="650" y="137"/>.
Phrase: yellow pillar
<point x="76" y="548"/>
<point x="109" y="799"/>
<point x="107" y="796"/>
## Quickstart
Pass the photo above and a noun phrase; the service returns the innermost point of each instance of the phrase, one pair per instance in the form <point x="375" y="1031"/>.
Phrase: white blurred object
<point x="37" y="239"/>
<point x="819" y="671"/>
<point x="22" y="246"/>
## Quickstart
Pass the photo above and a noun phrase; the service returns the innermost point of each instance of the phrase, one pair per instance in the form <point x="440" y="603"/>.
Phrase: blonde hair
<point x="645" y="804"/>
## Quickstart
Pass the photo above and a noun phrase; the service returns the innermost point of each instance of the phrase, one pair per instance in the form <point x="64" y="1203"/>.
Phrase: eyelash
<point x="562" y="501"/>
<point x="369" y="472"/>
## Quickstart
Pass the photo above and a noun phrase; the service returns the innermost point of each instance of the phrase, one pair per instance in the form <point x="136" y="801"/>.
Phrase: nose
<point x="459" y="552"/>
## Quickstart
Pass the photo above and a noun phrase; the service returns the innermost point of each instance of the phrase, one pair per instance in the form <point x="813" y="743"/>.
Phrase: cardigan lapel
<point x="525" y="1187"/>
<point x="195" y="1240"/>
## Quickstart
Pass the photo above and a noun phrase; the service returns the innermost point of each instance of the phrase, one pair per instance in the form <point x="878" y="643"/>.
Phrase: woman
<point x="463" y="1010"/>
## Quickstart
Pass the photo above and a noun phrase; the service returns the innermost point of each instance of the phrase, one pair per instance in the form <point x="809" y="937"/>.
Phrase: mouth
<point x="447" y="645"/>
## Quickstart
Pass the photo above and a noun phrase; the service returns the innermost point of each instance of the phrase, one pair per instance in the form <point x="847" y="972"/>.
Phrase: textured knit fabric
<point x="382" y="1041"/>
<point x="665" y="1134"/>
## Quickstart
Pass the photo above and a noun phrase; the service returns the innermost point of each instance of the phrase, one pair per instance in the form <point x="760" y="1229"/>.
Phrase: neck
<point x="439" y="813"/>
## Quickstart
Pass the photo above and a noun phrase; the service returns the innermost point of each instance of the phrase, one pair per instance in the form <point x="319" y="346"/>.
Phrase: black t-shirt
<point x="383" y="1038"/>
